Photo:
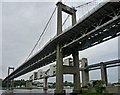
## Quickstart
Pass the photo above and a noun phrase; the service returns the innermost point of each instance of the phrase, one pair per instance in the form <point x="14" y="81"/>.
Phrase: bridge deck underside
<point x="99" y="25"/>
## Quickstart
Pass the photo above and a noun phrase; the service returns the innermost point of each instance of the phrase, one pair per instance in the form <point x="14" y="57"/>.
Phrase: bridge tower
<point x="12" y="81"/>
<point x="60" y="68"/>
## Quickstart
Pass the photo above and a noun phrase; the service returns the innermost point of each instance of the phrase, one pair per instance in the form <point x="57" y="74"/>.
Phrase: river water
<point x="32" y="91"/>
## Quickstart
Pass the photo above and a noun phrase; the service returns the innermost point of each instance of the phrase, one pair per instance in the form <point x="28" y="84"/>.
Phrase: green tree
<point x="99" y="86"/>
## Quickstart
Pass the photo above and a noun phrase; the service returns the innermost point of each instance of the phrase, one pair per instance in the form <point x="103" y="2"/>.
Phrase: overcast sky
<point x="23" y="22"/>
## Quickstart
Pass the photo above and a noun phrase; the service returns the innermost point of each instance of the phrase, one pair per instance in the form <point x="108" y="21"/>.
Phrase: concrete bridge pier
<point x="76" y="77"/>
<point x="29" y="84"/>
<point x="12" y="84"/>
<point x="75" y="54"/>
<point x="59" y="58"/>
<point x="60" y="69"/>
<point x="45" y="86"/>
<point x="85" y="73"/>
<point x="104" y="74"/>
<point x="7" y="84"/>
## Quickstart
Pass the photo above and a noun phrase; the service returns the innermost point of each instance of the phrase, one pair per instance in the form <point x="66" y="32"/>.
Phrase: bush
<point x="99" y="86"/>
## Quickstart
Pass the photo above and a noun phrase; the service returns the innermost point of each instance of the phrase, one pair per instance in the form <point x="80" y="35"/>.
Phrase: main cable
<point x="48" y="24"/>
<point x="84" y="4"/>
<point x="41" y="34"/>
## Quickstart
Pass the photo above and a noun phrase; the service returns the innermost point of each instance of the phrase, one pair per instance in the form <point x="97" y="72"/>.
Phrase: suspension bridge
<point x="99" y="25"/>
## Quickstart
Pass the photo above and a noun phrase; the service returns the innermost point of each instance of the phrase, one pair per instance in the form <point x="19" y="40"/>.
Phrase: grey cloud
<point x="22" y="26"/>
<point x="0" y="40"/>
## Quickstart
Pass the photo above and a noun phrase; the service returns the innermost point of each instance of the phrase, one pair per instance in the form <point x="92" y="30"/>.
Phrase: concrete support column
<point x="45" y="86"/>
<point x="59" y="18"/>
<point x="75" y="55"/>
<point x="104" y="73"/>
<point x="74" y="18"/>
<point x="8" y="80"/>
<point x="59" y="71"/>
<point x="85" y="73"/>
<point x="12" y="84"/>
<point x="77" y="75"/>
<point x="59" y="57"/>
<point x="28" y="84"/>
<point x="7" y="84"/>
<point x="76" y="63"/>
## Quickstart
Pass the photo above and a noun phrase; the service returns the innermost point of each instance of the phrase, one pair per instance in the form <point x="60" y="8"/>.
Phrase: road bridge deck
<point x="99" y="25"/>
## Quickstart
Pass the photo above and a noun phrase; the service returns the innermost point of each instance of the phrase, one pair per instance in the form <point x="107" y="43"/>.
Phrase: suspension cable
<point x="65" y="20"/>
<point x="48" y="24"/>
<point x="77" y="7"/>
<point x="41" y="34"/>
<point x="84" y="4"/>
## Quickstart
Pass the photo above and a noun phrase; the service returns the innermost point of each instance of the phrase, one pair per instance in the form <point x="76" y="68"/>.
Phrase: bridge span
<point x="98" y="25"/>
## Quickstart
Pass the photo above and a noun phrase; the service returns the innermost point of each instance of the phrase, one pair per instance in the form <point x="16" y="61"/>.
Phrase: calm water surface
<point x="32" y="91"/>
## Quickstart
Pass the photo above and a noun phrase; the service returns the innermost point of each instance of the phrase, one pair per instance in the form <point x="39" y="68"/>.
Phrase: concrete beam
<point x="66" y="8"/>
<point x="69" y="70"/>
